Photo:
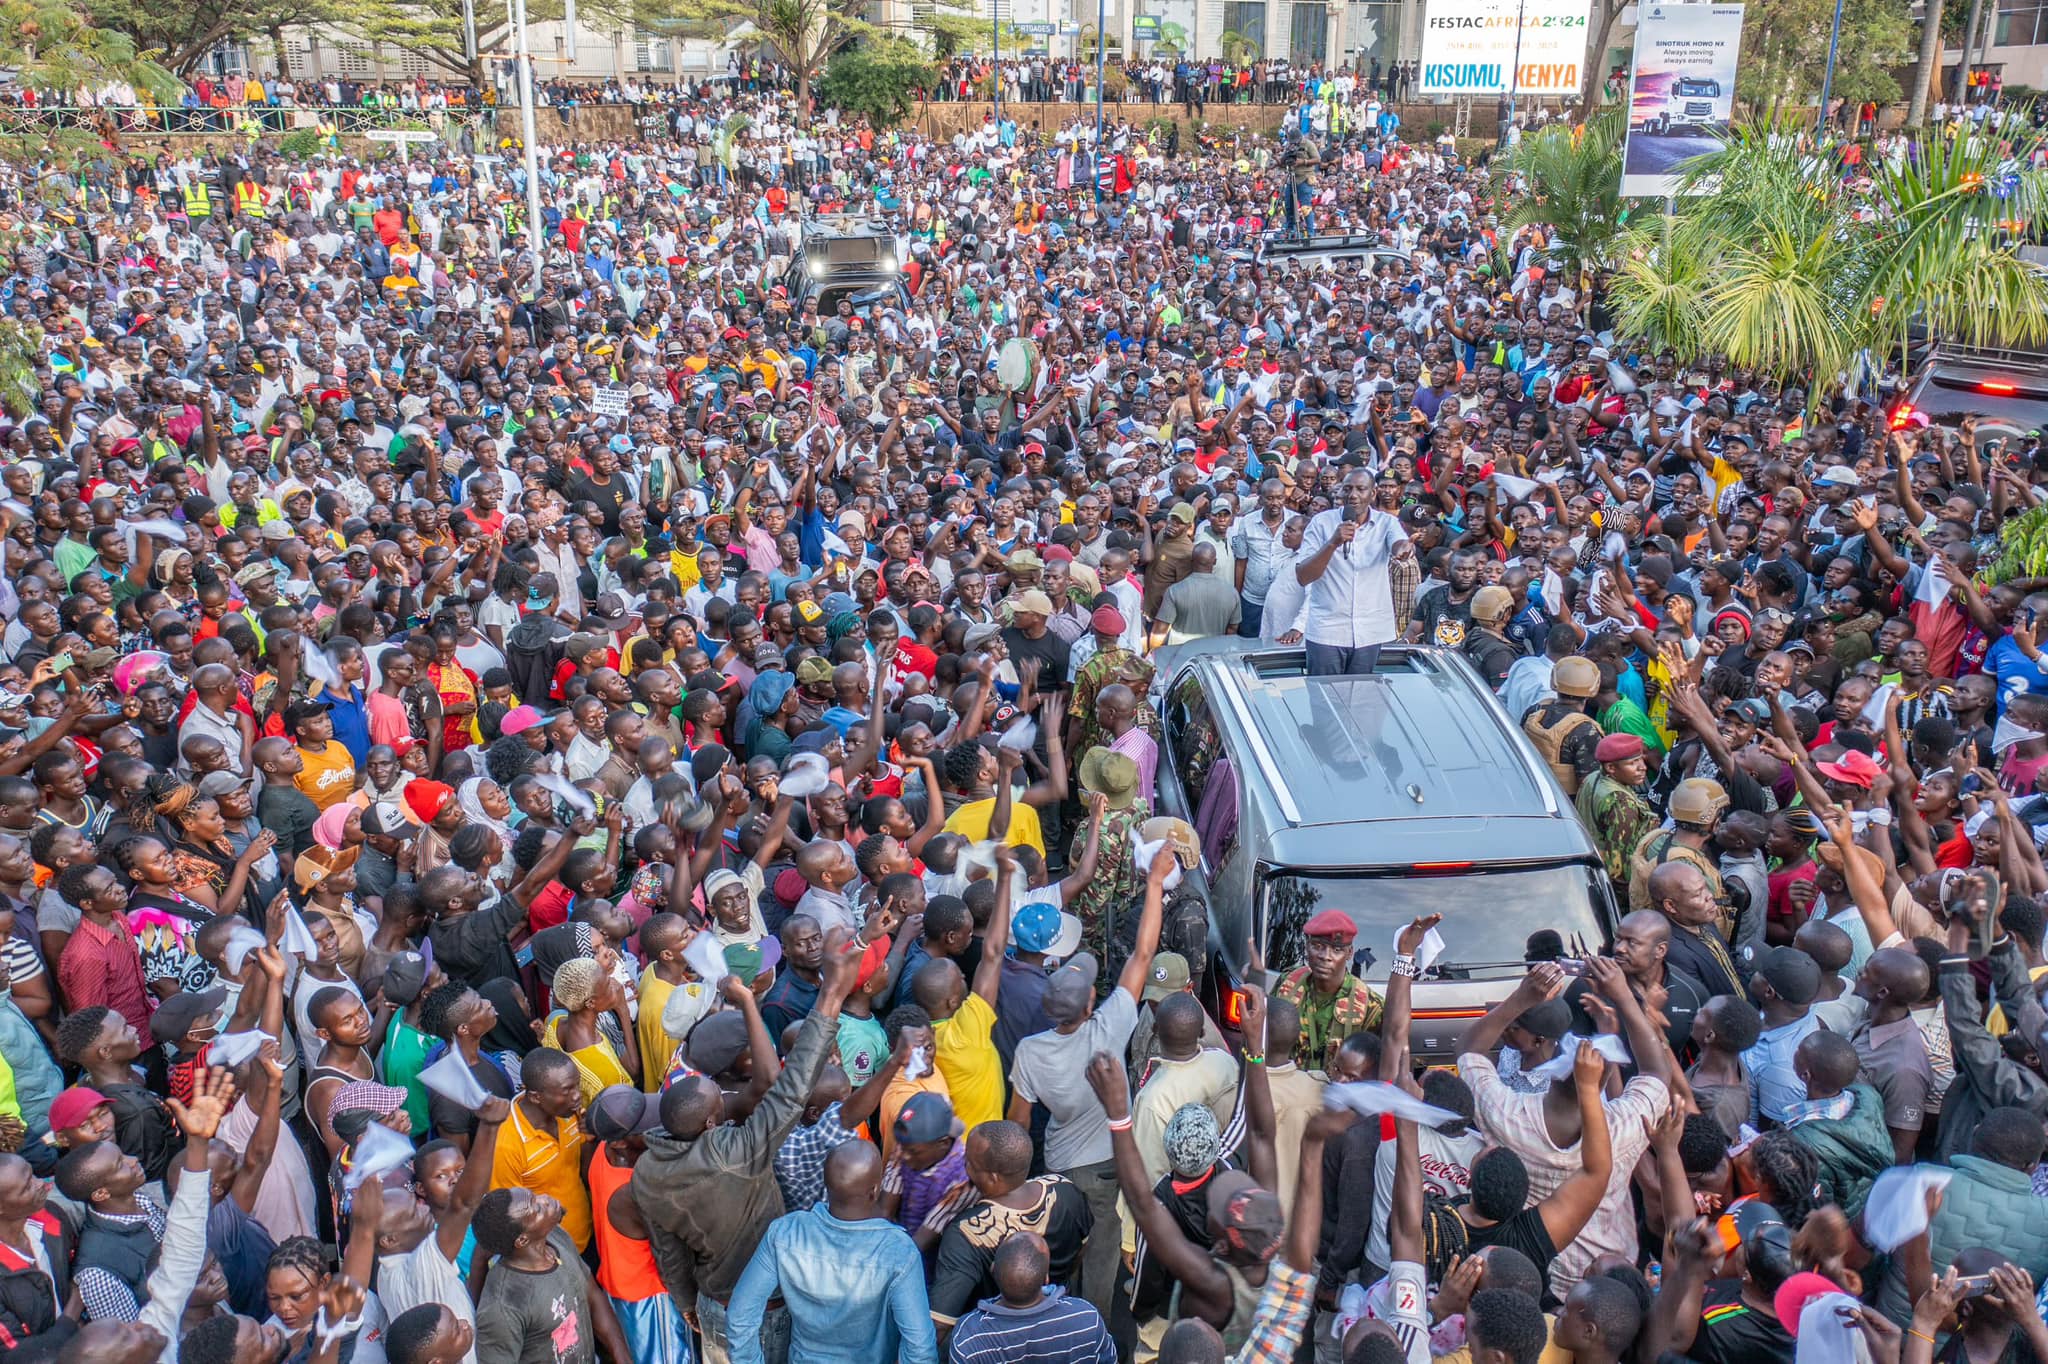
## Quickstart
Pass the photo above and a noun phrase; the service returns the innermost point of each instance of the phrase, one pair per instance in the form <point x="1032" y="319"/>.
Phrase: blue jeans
<point x="713" y="1347"/>
<point x="1331" y="660"/>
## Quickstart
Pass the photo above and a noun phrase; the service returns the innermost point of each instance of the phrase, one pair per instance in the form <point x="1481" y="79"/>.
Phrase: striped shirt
<point x="1058" y="1330"/>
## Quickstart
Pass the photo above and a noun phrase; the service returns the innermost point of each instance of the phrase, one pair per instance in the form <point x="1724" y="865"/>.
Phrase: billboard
<point x="1468" y="46"/>
<point x="1681" y="91"/>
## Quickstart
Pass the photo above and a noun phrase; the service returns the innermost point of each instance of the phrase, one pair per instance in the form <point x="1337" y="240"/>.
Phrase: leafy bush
<point x="300" y="143"/>
<point x="877" y="81"/>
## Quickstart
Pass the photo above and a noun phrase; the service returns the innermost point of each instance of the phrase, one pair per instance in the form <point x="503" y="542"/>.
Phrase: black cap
<point x="175" y="1016"/>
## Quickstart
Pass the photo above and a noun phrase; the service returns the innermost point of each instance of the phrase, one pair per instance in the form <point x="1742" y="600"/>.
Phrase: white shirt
<point x="424" y="1275"/>
<point x="1352" y="604"/>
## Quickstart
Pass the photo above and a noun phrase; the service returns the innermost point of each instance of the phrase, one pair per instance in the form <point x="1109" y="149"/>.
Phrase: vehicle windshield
<point x="1488" y="915"/>
<point x="1699" y="87"/>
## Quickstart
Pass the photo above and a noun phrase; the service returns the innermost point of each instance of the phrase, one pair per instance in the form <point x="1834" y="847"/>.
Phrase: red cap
<point x="425" y="798"/>
<point x="1796" y="1292"/>
<point x="74" y="1106"/>
<point x="871" y="961"/>
<point x="1331" y="923"/>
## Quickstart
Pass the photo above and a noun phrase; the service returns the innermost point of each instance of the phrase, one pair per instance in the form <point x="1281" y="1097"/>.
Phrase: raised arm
<point x="1138" y="968"/>
<point x="1566" y="1212"/>
<point x="1178" y="1256"/>
<point x="988" y="972"/>
<point x="453" y="1228"/>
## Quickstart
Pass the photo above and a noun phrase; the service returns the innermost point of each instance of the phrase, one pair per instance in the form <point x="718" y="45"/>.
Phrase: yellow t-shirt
<point x="328" y="776"/>
<point x="899" y="1093"/>
<point x="966" y="1055"/>
<point x="656" y="1042"/>
<point x="598" y="1066"/>
<point x="973" y="818"/>
<point x="548" y="1163"/>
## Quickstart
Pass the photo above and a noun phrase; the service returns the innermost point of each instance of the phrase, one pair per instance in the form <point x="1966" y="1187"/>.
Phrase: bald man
<point x="1683" y="896"/>
<point x="847" y="1273"/>
<point x="1642" y="944"/>
<point x="1889" y="1043"/>
<point x="1029" y="1309"/>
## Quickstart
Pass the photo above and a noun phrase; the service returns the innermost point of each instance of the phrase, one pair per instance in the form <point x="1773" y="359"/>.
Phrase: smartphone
<point x="61" y="663"/>
<point x="1973" y="1286"/>
<point x="1572" y="966"/>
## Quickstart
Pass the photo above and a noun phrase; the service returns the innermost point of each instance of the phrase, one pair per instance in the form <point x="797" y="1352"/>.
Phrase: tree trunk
<point x="1595" y="78"/>
<point x="1960" y="88"/>
<point x="278" y="52"/>
<point x="1928" y="65"/>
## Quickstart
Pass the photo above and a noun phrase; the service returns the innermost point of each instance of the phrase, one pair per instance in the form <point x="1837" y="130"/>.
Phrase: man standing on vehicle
<point x="1333" y="1003"/>
<point x="1343" y="563"/>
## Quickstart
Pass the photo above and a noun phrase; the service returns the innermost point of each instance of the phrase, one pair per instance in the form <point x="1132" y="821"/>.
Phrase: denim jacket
<point x="855" y="1292"/>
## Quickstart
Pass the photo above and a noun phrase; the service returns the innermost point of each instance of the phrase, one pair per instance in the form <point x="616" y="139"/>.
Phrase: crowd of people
<point x="620" y="813"/>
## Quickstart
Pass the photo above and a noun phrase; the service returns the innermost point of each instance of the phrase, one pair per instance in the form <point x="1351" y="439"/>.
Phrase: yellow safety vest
<point x="198" y="203"/>
<point x="249" y="200"/>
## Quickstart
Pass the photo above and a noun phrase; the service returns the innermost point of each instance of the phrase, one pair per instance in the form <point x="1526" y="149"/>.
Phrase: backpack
<point x="1183" y="928"/>
<point x="532" y="649"/>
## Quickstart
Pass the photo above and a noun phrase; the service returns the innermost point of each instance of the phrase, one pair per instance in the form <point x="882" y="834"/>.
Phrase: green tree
<point x="877" y="80"/>
<point x="803" y="33"/>
<point x="1570" y="183"/>
<point x="433" y="28"/>
<point x="1785" y="48"/>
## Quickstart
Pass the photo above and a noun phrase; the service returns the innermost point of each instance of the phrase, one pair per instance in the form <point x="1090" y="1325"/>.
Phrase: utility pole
<point x="535" y="226"/>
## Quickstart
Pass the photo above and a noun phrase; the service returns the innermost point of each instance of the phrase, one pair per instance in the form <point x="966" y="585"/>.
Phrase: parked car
<point x="850" y="258"/>
<point x="1404" y="793"/>
<point x="2004" y="387"/>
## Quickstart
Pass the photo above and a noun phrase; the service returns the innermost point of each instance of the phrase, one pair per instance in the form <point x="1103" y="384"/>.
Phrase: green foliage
<point x="1571" y="184"/>
<point x="61" y="46"/>
<point x="1785" y="48"/>
<point x="2022" y="549"/>
<point x="300" y="143"/>
<point x="803" y="33"/>
<point x="21" y="349"/>
<point x="1772" y="262"/>
<point x="877" y="81"/>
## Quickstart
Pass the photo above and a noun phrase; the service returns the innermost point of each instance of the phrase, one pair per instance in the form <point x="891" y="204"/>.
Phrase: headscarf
<point x="470" y="798"/>
<point x="513" y="1032"/>
<point x="329" y="829"/>
<point x="840" y="625"/>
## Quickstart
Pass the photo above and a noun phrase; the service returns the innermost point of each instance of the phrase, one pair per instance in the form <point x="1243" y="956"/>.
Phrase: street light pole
<point x="1101" y="49"/>
<point x="534" y="225"/>
<point x="1827" y="82"/>
<point x="995" y="71"/>
<point x="1515" y="72"/>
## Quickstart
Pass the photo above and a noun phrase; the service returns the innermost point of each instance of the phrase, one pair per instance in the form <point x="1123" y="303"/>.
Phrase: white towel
<point x="1371" y="1098"/>
<point x="1896" y="1209"/>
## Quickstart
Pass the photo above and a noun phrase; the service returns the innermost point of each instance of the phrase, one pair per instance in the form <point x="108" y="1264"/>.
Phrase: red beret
<point x="1331" y="923"/>
<point x="1107" y="620"/>
<point x="1617" y="748"/>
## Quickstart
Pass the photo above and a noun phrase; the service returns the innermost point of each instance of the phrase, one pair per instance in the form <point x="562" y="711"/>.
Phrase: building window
<point x="1247" y="17"/>
<point x="651" y="53"/>
<point x="2020" y="25"/>
<point x="1372" y="32"/>
<point x="1309" y="37"/>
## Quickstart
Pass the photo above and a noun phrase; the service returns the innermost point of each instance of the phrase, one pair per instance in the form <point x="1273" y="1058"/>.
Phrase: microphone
<point x="1348" y="544"/>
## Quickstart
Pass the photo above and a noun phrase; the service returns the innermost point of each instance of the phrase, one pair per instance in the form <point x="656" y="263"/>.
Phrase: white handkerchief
<point x="706" y="957"/>
<point x="298" y="939"/>
<point x="230" y="1049"/>
<point x="1019" y="737"/>
<point x="1144" y="852"/>
<point x="239" y="945"/>
<point x="1515" y="488"/>
<point x="450" y="1078"/>
<point x="1432" y="947"/>
<point x="1825" y="1338"/>
<point x="575" y="797"/>
<point x="1559" y="1067"/>
<point x="161" y="527"/>
<point x="378" y="1152"/>
<point x="320" y="667"/>
<point x="1896" y="1210"/>
<point x="1374" y="1097"/>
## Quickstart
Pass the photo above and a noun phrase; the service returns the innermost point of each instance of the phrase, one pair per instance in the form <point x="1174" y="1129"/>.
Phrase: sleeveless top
<point x="1244" y="1305"/>
<point x="626" y="1268"/>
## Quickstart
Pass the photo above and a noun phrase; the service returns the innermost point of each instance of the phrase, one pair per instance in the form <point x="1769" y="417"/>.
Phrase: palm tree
<point x="1570" y="184"/>
<point x="1791" y="272"/>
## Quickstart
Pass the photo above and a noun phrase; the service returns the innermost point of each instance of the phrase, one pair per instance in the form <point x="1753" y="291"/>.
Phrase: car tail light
<point x="1439" y="868"/>
<point x="1438" y="1014"/>
<point x="1902" y="414"/>
<point x="1998" y="386"/>
<point x="1233" y="1006"/>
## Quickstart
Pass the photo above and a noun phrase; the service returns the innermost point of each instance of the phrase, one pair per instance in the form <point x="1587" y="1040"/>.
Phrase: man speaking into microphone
<point x="1343" y="563"/>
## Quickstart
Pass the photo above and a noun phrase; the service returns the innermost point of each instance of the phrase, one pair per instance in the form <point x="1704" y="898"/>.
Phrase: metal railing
<point x="270" y="120"/>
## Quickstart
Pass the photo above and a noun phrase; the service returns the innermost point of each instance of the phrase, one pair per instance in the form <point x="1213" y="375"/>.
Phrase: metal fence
<point x="19" y="120"/>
